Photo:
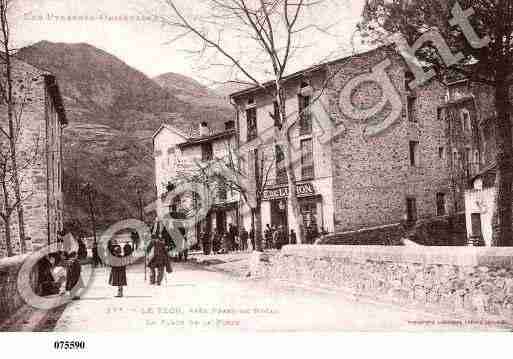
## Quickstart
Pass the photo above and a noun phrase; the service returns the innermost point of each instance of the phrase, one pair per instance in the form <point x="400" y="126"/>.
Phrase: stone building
<point x="312" y="153"/>
<point x="357" y="179"/>
<point x="480" y="190"/>
<point x="42" y="119"/>
<point x="178" y="158"/>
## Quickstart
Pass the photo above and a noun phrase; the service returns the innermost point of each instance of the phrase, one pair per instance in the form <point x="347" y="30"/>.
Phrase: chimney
<point x="229" y="125"/>
<point x="203" y="130"/>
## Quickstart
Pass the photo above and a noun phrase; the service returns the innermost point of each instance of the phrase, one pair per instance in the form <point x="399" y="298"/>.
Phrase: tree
<point x="270" y="37"/>
<point x="14" y="109"/>
<point x="136" y="189"/>
<point x="9" y="203"/>
<point x="478" y="34"/>
<point x="89" y="193"/>
<point x="247" y="177"/>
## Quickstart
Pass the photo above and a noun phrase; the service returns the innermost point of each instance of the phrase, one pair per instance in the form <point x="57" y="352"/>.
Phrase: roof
<point x="170" y="128"/>
<point x="314" y="68"/>
<point x="207" y="139"/>
<point x="490" y="169"/>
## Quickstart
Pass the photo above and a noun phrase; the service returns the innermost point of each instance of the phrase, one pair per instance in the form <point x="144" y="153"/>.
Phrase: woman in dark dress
<point x="118" y="274"/>
<point x="48" y="285"/>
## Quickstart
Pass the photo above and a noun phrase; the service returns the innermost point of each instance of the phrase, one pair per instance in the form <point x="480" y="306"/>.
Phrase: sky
<point x="144" y="43"/>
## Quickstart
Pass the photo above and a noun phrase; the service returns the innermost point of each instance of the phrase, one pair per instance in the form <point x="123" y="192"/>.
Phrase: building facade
<point x="480" y="192"/>
<point x="42" y="118"/>
<point x="348" y="180"/>
<point x="178" y="159"/>
<point x="311" y="154"/>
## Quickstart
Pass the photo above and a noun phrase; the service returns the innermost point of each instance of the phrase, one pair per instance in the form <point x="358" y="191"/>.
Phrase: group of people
<point x="276" y="237"/>
<point x="234" y="239"/>
<point x="221" y="241"/>
<point x="59" y="273"/>
<point x="157" y="257"/>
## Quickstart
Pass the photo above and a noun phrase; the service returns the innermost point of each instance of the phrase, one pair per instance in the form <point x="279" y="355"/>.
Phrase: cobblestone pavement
<point x="197" y="299"/>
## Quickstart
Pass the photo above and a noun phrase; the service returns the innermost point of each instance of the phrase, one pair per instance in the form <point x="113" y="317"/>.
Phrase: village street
<point x="195" y="298"/>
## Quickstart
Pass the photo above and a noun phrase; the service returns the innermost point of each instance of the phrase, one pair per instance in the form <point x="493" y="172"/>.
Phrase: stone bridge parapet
<point x="467" y="280"/>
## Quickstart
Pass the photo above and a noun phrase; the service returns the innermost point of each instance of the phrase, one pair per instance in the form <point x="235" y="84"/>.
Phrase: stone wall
<point x="441" y="231"/>
<point x="39" y="155"/>
<point x="384" y="236"/>
<point x="372" y="176"/>
<point x="467" y="280"/>
<point x="10" y="300"/>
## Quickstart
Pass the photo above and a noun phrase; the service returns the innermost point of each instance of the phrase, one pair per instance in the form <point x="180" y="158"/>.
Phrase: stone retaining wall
<point x="377" y="236"/>
<point x="473" y="280"/>
<point x="10" y="300"/>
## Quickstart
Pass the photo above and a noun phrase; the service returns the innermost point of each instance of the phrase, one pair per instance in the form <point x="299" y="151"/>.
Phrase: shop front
<point x="279" y="211"/>
<point x="219" y="218"/>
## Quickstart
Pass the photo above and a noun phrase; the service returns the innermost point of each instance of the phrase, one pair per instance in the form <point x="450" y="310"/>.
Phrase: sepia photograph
<point x="176" y="167"/>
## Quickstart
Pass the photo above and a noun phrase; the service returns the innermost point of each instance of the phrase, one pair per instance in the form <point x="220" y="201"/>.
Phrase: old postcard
<point x="243" y="166"/>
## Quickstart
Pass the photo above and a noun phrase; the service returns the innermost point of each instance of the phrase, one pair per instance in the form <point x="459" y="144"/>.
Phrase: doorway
<point x="221" y="221"/>
<point x="279" y="213"/>
<point x="477" y="230"/>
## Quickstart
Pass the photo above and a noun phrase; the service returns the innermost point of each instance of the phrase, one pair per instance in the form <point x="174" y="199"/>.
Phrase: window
<point x="441" y="153"/>
<point x="222" y="192"/>
<point x="408" y="77"/>
<point x="414" y="156"/>
<point x="468" y="160"/>
<point x="455" y="158"/>
<point x="307" y="160"/>
<point x="207" y="153"/>
<point x="411" y="209"/>
<point x="411" y="108"/>
<point x="305" y="118"/>
<point x="276" y="114"/>
<point x="477" y="161"/>
<point x="441" y="114"/>
<point x="281" y="170"/>
<point x="440" y="204"/>
<point x="465" y="120"/>
<point x="251" y="117"/>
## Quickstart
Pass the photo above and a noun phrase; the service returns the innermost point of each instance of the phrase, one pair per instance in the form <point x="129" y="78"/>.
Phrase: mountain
<point x="113" y="110"/>
<point x="226" y="89"/>
<point x="190" y="90"/>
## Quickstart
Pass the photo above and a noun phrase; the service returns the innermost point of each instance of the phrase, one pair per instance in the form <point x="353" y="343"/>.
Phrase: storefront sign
<point x="304" y="189"/>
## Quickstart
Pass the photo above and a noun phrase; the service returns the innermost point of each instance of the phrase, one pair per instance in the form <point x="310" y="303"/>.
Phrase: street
<point x="196" y="299"/>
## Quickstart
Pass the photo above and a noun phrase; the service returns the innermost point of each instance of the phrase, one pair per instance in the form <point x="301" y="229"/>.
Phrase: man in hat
<point x="160" y="257"/>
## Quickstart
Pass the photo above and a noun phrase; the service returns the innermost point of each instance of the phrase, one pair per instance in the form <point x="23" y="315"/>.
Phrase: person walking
<point x="96" y="256"/>
<point x="233" y="237"/>
<point x="244" y="238"/>
<point x="134" y="237"/>
<point x="117" y="276"/>
<point x="293" y="237"/>
<point x="206" y="242"/>
<point x="227" y="242"/>
<point x="217" y="241"/>
<point x="268" y="235"/>
<point x="82" y="249"/>
<point x="158" y="261"/>
<point x="252" y="238"/>
<point x="276" y="234"/>
<point x="73" y="272"/>
<point x="127" y="250"/>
